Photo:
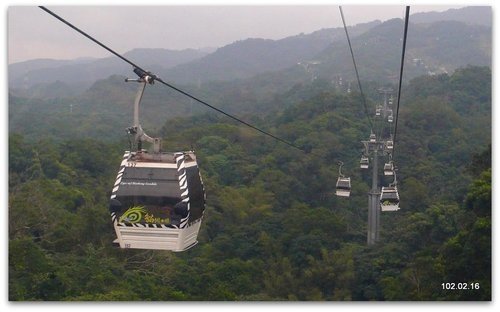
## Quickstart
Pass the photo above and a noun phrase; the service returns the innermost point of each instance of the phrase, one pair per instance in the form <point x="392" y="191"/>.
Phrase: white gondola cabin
<point x="389" y="199"/>
<point x="389" y="168"/>
<point x="389" y="145"/>
<point x="158" y="201"/>
<point x="343" y="187"/>
<point x="364" y="162"/>
<point x="373" y="138"/>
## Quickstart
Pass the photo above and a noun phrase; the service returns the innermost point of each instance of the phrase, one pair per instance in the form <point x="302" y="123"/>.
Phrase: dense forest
<point x="273" y="228"/>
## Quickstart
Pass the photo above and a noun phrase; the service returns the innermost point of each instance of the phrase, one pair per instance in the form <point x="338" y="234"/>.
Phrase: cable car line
<point x="407" y="17"/>
<point x="178" y="198"/>
<point x="355" y="68"/>
<point x="343" y="186"/>
<point x="156" y="78"/>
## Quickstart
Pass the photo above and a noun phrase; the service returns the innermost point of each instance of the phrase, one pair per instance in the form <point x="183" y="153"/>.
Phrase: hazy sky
<point x="32" y="33"/>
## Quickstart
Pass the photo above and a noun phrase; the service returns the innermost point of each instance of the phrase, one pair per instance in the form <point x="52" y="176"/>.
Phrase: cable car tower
<point x="380" y="145"/>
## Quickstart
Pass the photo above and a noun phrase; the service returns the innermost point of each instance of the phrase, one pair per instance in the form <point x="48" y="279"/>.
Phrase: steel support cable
<point x="175" y="88"/>
<point x="231" y="116"/>
<point x="356" y="68"/>
<point x="407" y="17"/>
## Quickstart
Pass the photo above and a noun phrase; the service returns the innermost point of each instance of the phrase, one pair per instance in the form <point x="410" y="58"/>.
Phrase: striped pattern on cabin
<point x="118" y="180"/>
<point x="180" y="159"/>
<point x="116" y="186"/>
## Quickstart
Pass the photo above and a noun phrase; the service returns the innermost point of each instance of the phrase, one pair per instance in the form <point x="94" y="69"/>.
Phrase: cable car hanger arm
<point x="136" y="130"/>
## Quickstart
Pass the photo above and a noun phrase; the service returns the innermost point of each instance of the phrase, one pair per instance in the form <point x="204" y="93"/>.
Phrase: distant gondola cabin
<point x="364" y="162"/>
<point x="389" y="199"/>
<point x="389" y="169"/>
<point x="343" y="187"/>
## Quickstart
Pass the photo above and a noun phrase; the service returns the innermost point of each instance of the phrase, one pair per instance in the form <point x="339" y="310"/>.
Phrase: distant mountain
<point x="83" y="72"/>
<point x="246" y="67"/>
<point x="164" y="58"/>
<point x="20" y="69"/>
<point x="48" y="90"/>
<point x="433" y="48"/>
<point x="242" y="59"/>
<point x="247" y="58"/>
<point x="474" y="15"/>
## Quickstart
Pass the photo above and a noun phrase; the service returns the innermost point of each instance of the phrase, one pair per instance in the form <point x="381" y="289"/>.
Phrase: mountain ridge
<point x="479" y="15"/>
<point x="376" y="43"/>
<point x="27" y="74"/>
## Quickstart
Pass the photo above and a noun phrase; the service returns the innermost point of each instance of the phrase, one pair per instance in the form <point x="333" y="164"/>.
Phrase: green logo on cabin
<point x="138" y="213"/>
<point x="133" y="214"/>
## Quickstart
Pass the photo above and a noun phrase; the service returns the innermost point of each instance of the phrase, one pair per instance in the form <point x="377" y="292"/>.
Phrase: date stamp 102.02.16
<point x="460" y="286"/>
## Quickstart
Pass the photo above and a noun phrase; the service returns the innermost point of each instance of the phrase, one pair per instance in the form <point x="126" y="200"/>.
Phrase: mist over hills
<point x="81" y="73"/>
<point x="431" y="49"/>
<point x="247" y="58"/>
<point x="435" y="45"/>
<point x="474" y="15"/>
<point x="241" y="59"/>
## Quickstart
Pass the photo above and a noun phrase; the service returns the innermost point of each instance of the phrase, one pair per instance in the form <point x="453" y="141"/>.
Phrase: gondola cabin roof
<point x="344" y="183"/>
<point x="152" y="174"/>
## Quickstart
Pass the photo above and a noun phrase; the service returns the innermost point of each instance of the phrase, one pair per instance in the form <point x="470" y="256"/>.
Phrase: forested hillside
<point x="435" y="48"/>
<point x="273" y="228"/>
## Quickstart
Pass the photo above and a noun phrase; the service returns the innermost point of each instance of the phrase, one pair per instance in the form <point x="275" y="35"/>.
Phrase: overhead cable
<point x="170" y="85"/>
<point x="407" y="17"/>
<point x="356" y="69"/>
